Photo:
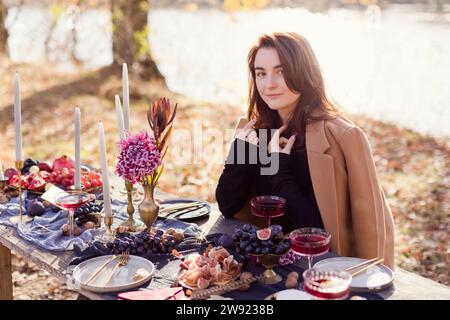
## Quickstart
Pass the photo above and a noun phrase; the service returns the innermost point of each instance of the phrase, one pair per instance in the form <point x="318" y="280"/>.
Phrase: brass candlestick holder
<point x="131" y="222"/>
<point x="108" y="223"/>
<point x="17" y="219"/>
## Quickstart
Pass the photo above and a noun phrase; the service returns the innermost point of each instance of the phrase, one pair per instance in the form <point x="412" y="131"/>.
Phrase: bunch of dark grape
<point x="144" y="242"/>
<point x="248" y="241"/>
<point x="86" y="213"/>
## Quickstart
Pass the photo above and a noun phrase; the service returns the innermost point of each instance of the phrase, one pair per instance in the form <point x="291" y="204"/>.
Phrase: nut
<point x="178" y="236"/>
<point x="89" y="225"/>
<point x="170" y="231"/>
<point x="291" y="283"/>
<point x="66" y="229"/>
<point x="245" y="276"/>
<point x="76" y="231"/>
<point x="293" y="274"/>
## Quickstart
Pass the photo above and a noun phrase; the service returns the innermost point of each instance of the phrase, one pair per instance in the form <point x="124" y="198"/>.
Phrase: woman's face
<point x="270" y="82"/>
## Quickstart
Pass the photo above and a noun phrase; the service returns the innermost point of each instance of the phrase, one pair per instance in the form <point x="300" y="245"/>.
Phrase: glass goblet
<point x="72" y="201"/>
<point x="268" y="207"/>
<point x="327" y="284"/>
<point x="310" y="242"/>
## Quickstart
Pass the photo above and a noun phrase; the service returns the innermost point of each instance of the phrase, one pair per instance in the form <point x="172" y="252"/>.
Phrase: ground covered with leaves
<point x="414" y="169"/>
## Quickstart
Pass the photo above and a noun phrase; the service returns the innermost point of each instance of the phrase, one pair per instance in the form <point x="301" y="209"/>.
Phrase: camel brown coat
<point x="351" y="201"/>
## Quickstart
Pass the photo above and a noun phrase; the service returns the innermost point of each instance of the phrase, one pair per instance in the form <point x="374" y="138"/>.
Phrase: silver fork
<point x="200" y="238"/>
<point x="123" y="261"/>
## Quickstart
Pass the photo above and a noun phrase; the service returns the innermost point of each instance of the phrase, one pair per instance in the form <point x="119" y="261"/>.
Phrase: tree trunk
<point x="130" y="37"/>
<point x="3" y="30"/>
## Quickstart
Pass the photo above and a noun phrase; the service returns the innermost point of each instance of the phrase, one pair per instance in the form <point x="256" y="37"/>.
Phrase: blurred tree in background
<point x="3" y="30"/>
<point x="131" y="37"/>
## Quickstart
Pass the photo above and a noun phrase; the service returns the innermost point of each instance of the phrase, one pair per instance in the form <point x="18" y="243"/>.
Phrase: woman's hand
<point x="247" y="133"/>
<point x="281" y="144"/>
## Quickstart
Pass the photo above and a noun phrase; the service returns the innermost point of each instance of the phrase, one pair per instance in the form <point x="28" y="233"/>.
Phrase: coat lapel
<point x="321" y="167"/>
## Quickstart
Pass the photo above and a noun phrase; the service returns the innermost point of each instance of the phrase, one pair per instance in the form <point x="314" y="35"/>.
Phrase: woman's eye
<point x="260" y="74"/>
<point x="280" y="71"/>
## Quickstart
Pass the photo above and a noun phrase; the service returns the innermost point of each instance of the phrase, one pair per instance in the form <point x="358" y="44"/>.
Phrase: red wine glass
<point x="72" y="201"/>
<point x="327" y="284"/>
<point x="310" y="242"/>
<point x="268" y="207"/>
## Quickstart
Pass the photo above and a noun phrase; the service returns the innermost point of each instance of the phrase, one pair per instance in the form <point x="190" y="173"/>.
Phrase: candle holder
<point x="17" y="219"/>
<point x="131" y="222"/>
<point x="106" y="235"/>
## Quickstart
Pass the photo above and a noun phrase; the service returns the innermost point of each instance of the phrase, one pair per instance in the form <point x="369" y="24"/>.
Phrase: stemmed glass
<point x="310" y="242"/>
<point x="72" y="201"/>
<point x="268" y="207"/>
<point x="327" y="284"/>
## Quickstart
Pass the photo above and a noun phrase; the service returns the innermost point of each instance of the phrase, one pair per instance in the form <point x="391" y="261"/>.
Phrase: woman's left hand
<point x="282" y="144"/>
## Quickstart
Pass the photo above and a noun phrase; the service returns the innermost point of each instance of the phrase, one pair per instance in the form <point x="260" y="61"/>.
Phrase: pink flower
<point x="139" y="157"/>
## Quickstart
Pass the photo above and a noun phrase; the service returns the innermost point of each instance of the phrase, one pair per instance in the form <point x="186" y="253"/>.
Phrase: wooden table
<point x="407" y="285"/>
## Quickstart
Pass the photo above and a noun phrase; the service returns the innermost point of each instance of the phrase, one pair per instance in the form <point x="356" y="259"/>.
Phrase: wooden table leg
<point x="6" y="287"/>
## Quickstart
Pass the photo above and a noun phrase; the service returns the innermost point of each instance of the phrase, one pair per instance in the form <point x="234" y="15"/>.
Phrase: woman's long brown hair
<point x="302" y="75"/>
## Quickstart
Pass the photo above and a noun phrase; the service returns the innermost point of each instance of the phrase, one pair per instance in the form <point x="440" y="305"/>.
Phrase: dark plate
<point x="196" y="214"/>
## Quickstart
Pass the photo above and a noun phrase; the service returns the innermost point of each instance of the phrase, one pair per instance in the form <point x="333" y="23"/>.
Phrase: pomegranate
<point x="10" y="172"/>
<point x="63" y="162"/>
<point x="36" y="184"/>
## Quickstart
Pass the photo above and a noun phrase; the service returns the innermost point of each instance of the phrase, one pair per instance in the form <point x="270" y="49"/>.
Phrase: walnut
<point x="291" y="283"/>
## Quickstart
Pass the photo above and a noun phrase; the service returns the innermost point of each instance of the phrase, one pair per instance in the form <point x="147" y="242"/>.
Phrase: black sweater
<point x="292" y="182"/>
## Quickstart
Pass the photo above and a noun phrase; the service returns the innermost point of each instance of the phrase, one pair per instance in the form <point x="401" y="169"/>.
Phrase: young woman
<point x="325" y="167"/>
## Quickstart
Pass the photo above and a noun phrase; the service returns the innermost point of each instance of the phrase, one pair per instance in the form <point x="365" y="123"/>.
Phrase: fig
<point x="37" y="208"/>
<point x="226" y="241"/>
<point x="63" y="162"/>
<point x="264" y="234"/>
<point x="44" y="166"/>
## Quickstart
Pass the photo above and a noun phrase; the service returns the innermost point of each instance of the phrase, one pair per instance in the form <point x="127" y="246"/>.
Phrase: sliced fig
<point x="264" y="234"/>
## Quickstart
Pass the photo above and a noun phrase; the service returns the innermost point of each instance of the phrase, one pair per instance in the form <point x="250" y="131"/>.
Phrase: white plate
<point x="290" y="294"/>
<point x="376" y="278"/>
<point x="122" y="280"/>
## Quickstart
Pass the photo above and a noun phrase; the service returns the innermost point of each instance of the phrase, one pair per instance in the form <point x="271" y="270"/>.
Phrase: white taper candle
<point x="125" y="97"/>
<point x="77" y="181"/>
<point x="18" y="118"/>
<point x="119" y="114"/>
<point x="104" y="167"/>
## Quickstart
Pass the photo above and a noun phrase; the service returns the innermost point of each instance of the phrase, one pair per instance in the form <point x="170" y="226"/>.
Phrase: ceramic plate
<point x="289" y="294"/>
<point x="190" y="214"/>
<point x="123" y="278"/>
<point x="376" y="278"/>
